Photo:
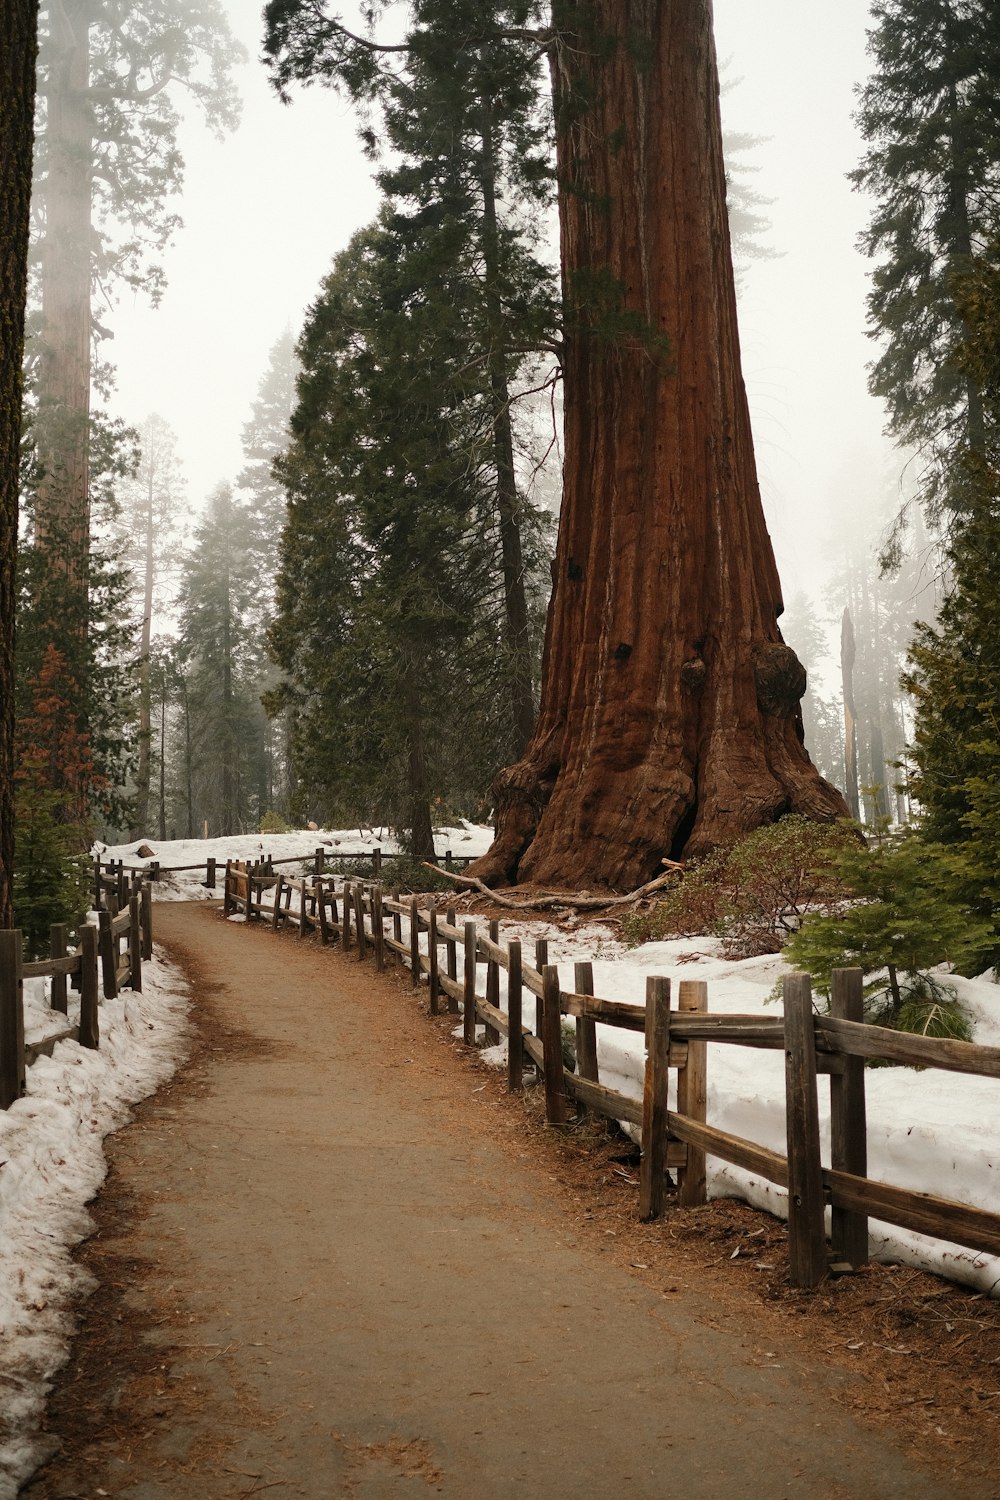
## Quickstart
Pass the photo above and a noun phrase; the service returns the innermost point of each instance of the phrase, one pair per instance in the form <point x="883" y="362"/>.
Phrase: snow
<point x="177" y="883"/>
<point x="927" y="1130"/>
<point x="51" y="1165"/>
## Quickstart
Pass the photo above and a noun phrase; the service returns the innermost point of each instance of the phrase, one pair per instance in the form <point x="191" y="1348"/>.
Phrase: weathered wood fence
<point x="113" y="875"/>
<point x="108" y="958"/>
<point x="361" y="915"/>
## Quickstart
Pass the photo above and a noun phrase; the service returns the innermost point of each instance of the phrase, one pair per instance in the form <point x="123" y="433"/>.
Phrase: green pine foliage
<point x="954" y="665"/>
<point x="901" y="917"/>
<point x="51" y="876"/>
<point x="931" y="116"/>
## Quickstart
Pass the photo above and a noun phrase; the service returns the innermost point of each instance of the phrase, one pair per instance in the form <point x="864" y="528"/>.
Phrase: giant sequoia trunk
<point x="63" y="503"/>
<point x="17" y="106"/>
<point x="669" y="719"/>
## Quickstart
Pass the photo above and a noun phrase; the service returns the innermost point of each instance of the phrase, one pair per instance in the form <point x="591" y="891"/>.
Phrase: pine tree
<point x="17" y="97"/>
<point x="954" y="665"/>
<point x="217" y="654"/>
<point x="931" y="115"/>
<point x="108" y="166"/>
<point x="149" y="528"/>
<point x="471" y="180"/>
<point x="388" y="619"/>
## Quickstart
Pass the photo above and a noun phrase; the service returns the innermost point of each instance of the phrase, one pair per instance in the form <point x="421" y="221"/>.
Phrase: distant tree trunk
<point x="847" y="655"/>
<point x="63" y="504"/>
<point x="143" y="773"/>
<point x="669" y="718"/>
<point x="229" y="739"/>
<point x="518" y="642"/>
<point x="17" y="109"/>
<point x="163" y="760"/>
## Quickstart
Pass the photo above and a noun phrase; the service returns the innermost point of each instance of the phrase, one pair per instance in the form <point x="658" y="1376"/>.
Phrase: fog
<point x="265" y="211"/>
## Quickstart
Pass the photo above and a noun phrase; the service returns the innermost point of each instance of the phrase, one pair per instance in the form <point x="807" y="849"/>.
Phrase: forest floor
<point x="334" y="1258"/>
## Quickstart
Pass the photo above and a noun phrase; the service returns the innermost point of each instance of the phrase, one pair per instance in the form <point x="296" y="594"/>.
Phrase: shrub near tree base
<point x="754" y="894"/>
<point x="902" y="921"/>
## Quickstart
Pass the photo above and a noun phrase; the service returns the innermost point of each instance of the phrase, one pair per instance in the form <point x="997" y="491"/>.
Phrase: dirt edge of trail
<point x="922" y="1355"/>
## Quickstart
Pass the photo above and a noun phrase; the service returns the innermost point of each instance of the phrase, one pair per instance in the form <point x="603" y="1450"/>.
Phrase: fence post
<point x="97" y="882"/>
<point x="90" y="1031"/>
<point x="492" y="1037"/>
<point x="376" y="862"/>
<point x="586" y="1031"/>
<point x="848" y="1120"/>
<point x="451" y="959"/>
<point x="432" y="958"/>
<point x="692" y="1097"/>
<point x="414" y="942"/>
<point x="515" y="1040"/>
<point x="147" y="922"/>
<point x="321" y="918"/>
<point x="556" y="1102"/>
<point x="209" y="873"/>
<point x="541" y="959"/>
<point x="653" y="1166"/>
<point x="359" y="920"/>
<point x="12" y="1065"/>
<point x="108" y="948"/>
<point x="806" y="1239"/>
<point x="57" y="949"/>
<point x="135" y="942"/>
<point x="227" y="899"/>
<point x="397" y="928"/>
<point x="347" y="895"/>
<point x="378" y="929"/>
<point x="319" y="856"/>
<point x="469" y="989"/>
<point x="276" y="914"/>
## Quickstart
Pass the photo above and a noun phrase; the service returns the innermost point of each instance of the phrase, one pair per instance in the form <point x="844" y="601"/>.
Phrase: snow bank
<point x="51" y="1165"/>
<point x="179" y="884"/>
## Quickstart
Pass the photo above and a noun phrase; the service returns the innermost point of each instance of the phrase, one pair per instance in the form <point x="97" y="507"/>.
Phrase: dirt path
<point x="321" y="1275"/>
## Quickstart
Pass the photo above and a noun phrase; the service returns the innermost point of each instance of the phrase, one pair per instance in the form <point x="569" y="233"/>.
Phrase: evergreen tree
<point x="108" y="166"/>
<point x="931" y="115"/>
<point x="470" y="180"/>
<point x="17" y="97"/>
<point x="388" y="615"/>
<point x="149" y="529"/>
<point x="217" y="656"/>
<point x="955" y="664"/>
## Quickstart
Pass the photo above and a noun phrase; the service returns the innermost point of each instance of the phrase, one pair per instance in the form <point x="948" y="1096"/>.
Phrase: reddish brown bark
<point x="669" y="719"/>
<point x="62" y="516"/>
<point x="17" y="104"/>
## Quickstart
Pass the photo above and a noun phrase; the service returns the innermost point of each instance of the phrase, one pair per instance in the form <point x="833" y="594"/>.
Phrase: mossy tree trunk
<point x="669" y="718"/>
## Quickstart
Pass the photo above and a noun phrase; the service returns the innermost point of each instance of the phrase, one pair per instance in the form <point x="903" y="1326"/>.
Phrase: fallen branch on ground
<point x="561" y="898"/>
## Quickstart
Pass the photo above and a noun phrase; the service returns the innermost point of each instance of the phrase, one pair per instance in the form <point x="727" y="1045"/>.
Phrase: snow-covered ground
<point x="179" y="882"/>
<point x="51" y="1165"/>
<point x="930" y="1131"/>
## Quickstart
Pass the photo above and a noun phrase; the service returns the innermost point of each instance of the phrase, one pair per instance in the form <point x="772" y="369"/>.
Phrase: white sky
<point x="266" y="210"/>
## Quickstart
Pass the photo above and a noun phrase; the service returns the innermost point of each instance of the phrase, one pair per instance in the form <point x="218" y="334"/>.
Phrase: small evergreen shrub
<point x="902" y="918"/>
<point x="754" y="894"/>
<point x="273" y="822"/>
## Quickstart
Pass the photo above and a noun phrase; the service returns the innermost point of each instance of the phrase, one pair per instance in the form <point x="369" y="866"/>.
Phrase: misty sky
<point x="267" y="209"/>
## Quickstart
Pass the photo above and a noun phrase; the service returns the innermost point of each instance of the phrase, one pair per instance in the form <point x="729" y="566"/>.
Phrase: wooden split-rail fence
<point x="677" y="1030"/>
<point x="108" y="957"/>
<point x="112" y="876"/>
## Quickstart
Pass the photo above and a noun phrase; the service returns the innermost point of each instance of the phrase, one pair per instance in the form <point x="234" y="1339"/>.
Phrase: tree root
<point x="546" y="899"/>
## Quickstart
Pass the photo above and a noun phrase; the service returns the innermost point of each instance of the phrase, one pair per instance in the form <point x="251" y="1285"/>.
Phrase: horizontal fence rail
<point x="108" y="958"/>
<point x="449" y="957"/>
<point x="113" y="875"/>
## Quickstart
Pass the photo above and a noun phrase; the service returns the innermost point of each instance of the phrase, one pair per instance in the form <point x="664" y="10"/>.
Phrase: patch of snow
<point x="51" y="1165"/>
